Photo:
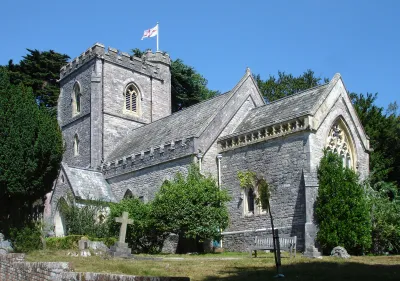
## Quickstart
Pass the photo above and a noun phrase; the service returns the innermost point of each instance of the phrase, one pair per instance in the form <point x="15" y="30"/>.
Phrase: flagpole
<point x="158" y="34"/>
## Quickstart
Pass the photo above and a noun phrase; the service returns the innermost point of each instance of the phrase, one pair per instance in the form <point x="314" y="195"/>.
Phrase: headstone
<point x="340" y="252"/>
<point x="5" y="246"/>
<point x="312" y="252"/>
<point x="121" y="249"/>
<point x="83" y="244"/>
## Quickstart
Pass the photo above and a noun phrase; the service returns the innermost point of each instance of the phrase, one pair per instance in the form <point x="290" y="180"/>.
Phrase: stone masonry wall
<point x="14" y="268"/>
<point x="80" y="123"/>
<point x="281" y="161"/>
<point x="146" y="182"/>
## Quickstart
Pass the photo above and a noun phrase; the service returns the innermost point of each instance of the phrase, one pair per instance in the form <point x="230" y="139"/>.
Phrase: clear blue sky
<point x="359" y="39"/>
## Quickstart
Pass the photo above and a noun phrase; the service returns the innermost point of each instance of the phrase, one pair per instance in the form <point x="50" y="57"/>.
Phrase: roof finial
<point x="248" y="70"/>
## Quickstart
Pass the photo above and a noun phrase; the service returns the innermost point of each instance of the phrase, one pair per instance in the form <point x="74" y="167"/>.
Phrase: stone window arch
<point x="340" y="141"/>
<point x="132" y="99"/>
<point x="76" y="99"/>
<point x="128" y="194"/>
<point x="76" y="145"/>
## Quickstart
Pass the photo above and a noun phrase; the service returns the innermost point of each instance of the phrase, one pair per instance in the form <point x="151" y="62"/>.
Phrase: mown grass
<point x="236" y="266"/>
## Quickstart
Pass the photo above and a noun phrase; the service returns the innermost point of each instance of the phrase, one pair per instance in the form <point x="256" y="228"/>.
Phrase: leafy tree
<point x="286" y="84"/>
<point x="249" y="179"/>
<point x="384" y="132"/>
<point x="385" y="215"/>
<point x="191" y="206"/>
<point x="188" y="87"/>
<point x="341" y="211"/>
<point x="39" y="71"/>
<point x="143" y="236"/>
<point x="30" y="152"/>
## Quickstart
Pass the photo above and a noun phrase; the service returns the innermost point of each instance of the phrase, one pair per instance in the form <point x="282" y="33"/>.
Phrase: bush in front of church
<point x="342" y="210"/>
<point x="142" y="236"/>
<point x="191" y="206"/>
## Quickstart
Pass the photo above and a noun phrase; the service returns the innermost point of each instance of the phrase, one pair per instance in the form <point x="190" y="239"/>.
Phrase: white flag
<point x="150" y="32"/>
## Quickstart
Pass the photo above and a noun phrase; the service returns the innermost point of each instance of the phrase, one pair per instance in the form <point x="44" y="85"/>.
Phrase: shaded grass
<point x="242" y="267"/>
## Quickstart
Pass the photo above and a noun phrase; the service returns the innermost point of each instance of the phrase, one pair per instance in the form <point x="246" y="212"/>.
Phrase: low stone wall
<point x="14" y="268"/>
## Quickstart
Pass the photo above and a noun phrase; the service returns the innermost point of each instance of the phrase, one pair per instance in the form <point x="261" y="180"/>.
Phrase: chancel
<point x="122" y="140"/>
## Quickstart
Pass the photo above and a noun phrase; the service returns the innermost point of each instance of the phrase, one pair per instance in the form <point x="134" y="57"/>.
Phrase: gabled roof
<point x="88" y="184"/>
<point x="188" y="122"/>
<point x="287" y="108"/>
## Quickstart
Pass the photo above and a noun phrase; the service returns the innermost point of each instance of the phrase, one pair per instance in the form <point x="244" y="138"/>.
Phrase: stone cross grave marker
<point x="120" y="249"/>
<point x="124" y="220"/>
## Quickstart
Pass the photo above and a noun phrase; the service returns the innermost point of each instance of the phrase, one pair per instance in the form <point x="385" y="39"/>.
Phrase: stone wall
<point x="78" y="124"/>
<point x="146" y="182"/>
<point x="281" y="161"/>
<point x="14" y="268"/>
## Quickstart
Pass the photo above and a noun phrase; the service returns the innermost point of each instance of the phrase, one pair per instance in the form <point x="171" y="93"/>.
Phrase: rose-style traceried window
<point x="339" y="141"/>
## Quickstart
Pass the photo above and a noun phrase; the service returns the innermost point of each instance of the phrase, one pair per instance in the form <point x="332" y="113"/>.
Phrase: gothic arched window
<point x="76" y="104"/>
<point x="76" y="145"/>
<point x="250" y="200"/>
<point x="128" y="194"/>
<point x="132" y="99"/>
<point x="339" y="141"/>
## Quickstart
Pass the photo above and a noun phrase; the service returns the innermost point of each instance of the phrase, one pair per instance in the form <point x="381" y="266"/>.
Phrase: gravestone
<point x="5" y="246"/>
<point x="340" y="252"/>
<point x="83" y="245"/>
<point x="120" y="248"/>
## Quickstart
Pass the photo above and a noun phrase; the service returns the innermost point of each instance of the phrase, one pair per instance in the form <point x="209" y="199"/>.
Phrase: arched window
<point x="132" y="99"/>
<point x="128" y="194"/>
<point x="339" y="141"/>
<point x="76" y="145"/>
<point x="76" y="99"/>
<point x="250" y="200"/>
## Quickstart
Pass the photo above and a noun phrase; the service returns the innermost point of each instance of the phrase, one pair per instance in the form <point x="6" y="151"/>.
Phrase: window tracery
<point x="132" y="100"/>
<point x="340" y="142"/>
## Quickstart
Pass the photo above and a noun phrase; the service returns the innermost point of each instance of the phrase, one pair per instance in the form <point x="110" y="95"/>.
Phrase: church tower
<point x="104" y="95"/>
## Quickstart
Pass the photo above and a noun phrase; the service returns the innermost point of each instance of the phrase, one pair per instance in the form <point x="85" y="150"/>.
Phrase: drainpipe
<point x="219" y="157"/>
<point x="199" y="159"/>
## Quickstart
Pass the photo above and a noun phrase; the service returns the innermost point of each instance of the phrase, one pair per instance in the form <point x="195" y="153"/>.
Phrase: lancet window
<point x="132" y="100"/>
<point x="76" y="107"/>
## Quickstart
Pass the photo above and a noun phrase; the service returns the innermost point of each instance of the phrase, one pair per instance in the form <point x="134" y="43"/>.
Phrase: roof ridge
<point x="182" y="110"/>
<point x="297" y="94"/>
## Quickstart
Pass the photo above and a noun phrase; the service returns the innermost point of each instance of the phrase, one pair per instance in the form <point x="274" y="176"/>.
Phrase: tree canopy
<point x="284" y="85"/>
<point x="383" y="128"/>
<point x="39" y="71"/>
<point x="188" y="87"/>
<point x="30" y="152"/>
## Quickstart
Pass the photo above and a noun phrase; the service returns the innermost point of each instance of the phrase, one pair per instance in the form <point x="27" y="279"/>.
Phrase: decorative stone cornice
<point x="241" y="139"/>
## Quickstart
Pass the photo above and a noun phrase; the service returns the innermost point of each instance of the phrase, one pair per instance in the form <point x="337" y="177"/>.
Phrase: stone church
<point x="121" y="140"/>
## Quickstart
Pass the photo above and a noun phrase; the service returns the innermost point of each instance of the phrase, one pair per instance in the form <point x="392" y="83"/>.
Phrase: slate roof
<point x="284" y="109"/>
<point x="88" y="184"/>
<point x="186" y="123"/>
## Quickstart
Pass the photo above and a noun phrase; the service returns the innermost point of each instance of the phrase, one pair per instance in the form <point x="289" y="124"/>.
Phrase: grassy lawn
<point x="236" y="266"/>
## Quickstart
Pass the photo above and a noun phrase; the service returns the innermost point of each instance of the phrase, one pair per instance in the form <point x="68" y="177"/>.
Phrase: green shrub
<point x="63" y="243"/>
<point x="342" y="211"/>
<point x="385" y="213"/>
<point x="143" y="235"/>
<point x="83" y="219"/>
<point x="26" y="239"/>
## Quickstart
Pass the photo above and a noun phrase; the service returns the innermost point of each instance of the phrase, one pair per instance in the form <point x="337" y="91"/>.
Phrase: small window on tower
<point x="76" y="145"/>
<point x="132" y="99"/>
<point x="76" y="99"/>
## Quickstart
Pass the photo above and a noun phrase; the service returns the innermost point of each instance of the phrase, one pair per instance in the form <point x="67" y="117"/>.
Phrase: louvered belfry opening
<point x="131" y="95"/>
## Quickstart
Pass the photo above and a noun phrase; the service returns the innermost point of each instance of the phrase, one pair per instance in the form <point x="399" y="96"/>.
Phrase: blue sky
<point x="359" y="39"/>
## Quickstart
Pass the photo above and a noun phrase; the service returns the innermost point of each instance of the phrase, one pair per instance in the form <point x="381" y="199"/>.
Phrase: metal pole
<point x="158" y="34"/>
